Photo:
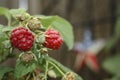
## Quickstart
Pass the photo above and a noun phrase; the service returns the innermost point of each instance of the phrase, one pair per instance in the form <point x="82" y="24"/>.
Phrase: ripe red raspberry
<point x="53" y="40"/>
<point x="22" y="39"/>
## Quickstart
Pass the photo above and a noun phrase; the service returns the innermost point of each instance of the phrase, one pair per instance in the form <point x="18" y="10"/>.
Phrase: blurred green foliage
<point x="112" y="64"/>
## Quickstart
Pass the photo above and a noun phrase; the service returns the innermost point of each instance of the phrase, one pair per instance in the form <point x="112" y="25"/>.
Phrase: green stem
<point x="35" y="57"/>
<point x="34" y="78"/>
<point x="62" y="73"/>
<point x="46" y="70"/>
<point x="21" y="54"/>
<point x="49" y="27"/>
<point x="28" y="77"/>
<point x="9" y="22"/>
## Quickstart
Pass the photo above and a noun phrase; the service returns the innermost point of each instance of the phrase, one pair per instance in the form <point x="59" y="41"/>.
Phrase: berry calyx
<point x="22" y="39"/>
<point x="69" y="76"/>
<point x="27" y="57"/>
<point x="23" y="17"/>
<point x="53" y="39"/>
<point x="34" y="24"/>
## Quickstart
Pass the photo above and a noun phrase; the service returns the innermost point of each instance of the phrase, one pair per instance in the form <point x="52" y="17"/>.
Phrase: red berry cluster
<point x="53" y="40"/>
<point x="22" y="39"/>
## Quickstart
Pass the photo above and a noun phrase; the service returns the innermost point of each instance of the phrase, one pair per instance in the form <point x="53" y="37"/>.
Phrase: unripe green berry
<point x="69" y="76"/>
<point x="34" y="24"/>
<point x="27" y="57"/>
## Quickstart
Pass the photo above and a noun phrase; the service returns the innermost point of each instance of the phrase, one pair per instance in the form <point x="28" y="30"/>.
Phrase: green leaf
<point x="63" y="68"/>
<point x="116" y="36"/>
<point x="116" y="77"/>
<point x="111" y="43"/>
<point x="117" y="28"/>
<point x="62" y="25"/>
<point x="5" y="29"/>
<point x="3" y="34"/>
<point x="2" y="27"/>
<point x="6" y="44"/>
<point x="16" y="12"/>
<point x="5" y="12"/>
<point x="112" y="64"/>
<point x="46" y="20"/>
<point x="66" y="31"/>
<point x="2" y="38"/>
<point x="4" y="70"/>
<point x="22" y="69"/>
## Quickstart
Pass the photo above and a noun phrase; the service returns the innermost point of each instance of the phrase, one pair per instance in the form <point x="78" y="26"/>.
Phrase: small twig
<point x="9" y="22"/>
<point x="62" y="73"/>
<point x="28" y="77"/>
<point x="34" y="78"/>
<point x="46" y="71"/>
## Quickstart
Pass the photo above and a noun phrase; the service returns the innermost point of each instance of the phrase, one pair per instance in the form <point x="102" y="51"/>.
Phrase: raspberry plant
<point x="28" y="39"/>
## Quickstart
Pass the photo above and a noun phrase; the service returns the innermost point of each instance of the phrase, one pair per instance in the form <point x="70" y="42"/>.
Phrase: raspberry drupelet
<point x="53" y="39"/>
<point x="22" y="39"/>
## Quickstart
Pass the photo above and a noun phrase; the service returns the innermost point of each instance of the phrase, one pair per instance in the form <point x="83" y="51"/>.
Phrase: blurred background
<point x="98" y="17"/>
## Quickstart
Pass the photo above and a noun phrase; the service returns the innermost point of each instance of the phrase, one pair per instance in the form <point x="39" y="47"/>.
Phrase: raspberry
<point x="53" y="40"/>
<point x="22" y="39"/>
